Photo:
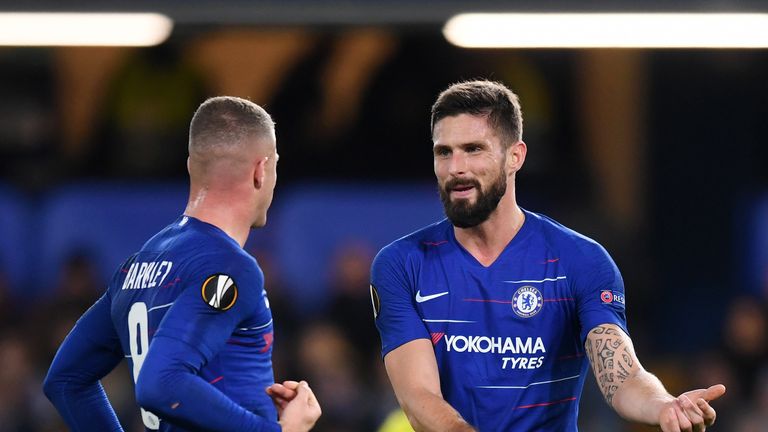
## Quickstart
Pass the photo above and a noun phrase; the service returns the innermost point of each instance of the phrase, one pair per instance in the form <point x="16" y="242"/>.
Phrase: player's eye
<point x="473" y="149"/>
<point x="442" y="152"/>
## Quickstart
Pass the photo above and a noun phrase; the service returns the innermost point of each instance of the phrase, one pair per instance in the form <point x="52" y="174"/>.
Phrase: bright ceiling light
<point x="608" y="30"/>
<point x="83" y="29"/>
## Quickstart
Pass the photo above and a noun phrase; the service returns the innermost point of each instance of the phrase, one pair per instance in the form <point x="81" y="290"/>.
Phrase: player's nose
<point x="457" y="164"/>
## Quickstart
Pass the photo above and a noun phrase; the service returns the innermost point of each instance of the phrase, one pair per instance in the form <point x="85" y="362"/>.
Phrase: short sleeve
<point x="395" y="313"/>
<point x="599" y="290"/>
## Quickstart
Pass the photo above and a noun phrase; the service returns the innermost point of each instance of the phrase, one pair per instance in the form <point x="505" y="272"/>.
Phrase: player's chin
<point x="259" y="223"/>
<point x="462" y="202"/>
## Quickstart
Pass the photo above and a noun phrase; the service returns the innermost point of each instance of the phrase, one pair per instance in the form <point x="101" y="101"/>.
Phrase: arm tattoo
<point x="612" y="359"/>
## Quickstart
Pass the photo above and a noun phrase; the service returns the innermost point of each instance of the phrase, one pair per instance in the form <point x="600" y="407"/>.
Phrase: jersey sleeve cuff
<point x="389" y="347"/>
<point x="589" y="325"/>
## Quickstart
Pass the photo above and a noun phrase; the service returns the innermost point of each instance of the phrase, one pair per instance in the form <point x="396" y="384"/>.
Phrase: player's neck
<point x="222" y="212"/>
<point x="487" y="241"/>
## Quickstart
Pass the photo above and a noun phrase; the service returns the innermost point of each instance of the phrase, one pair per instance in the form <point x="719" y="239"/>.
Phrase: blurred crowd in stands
<point x="354" y="105"/>
<point x="337" y="350"/>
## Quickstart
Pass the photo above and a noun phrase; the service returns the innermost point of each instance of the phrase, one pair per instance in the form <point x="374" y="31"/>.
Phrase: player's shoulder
<point x="416" y="242"/>
<point x="564" y="239"/>
<point x="231" y="261"/>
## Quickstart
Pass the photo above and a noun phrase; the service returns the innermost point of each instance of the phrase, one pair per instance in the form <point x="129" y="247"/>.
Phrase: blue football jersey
<point x="508" y="338"/>
<point x="194" y="286"/>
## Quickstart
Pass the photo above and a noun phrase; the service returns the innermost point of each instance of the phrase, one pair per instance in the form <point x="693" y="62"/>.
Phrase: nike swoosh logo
<point x="420" y="299"/>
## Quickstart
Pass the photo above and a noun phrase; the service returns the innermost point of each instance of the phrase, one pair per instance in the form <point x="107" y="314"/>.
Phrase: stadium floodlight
<point x="83" y="29"/>
<point x="608" y="30"/>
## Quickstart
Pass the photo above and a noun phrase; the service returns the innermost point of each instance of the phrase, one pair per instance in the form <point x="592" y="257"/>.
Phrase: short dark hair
<point x="226" y="120"/>
<point x="482" y="98"/>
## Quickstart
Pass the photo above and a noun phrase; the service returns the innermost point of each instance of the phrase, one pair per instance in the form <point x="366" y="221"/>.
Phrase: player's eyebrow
<point x="481" y="144"/>
<point x="437" y="148"/>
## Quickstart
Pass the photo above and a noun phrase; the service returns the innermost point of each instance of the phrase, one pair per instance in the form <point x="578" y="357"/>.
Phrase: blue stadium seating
<point x="15" y="240"/>
<point x="307" y="225"/>
<point x="314" y="220"/>
<point x="107" y="222"/>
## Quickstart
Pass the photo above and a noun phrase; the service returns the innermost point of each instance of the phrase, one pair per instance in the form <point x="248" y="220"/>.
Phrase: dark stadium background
<point x="660" y="155"/>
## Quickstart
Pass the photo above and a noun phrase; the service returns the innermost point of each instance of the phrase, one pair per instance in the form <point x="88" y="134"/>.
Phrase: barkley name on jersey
<point x="194" y="290"/>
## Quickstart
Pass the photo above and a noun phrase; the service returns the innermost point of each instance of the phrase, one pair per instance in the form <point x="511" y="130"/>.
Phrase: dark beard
<point x="461" y="213"/>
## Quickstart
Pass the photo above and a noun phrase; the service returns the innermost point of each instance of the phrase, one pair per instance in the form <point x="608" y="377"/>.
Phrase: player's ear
<point x="189" y="171"/>
<point x="516" y="156"/>
<point x="260" y="172"/>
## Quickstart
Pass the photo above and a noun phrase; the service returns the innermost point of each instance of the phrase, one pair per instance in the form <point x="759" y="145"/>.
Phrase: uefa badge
<point x="527" y="301"/>
<point x="606" y="296"/>
<point x="219" y="291"/>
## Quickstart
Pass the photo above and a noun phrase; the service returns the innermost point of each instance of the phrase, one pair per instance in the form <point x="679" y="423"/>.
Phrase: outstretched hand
<point x="691" y="412"/>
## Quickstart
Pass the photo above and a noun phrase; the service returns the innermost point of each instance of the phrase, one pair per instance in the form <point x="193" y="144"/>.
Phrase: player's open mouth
<point x="462" y="190"/>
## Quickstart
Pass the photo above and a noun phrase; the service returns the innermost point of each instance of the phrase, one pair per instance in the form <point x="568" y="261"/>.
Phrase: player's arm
<point x="190" y="335"/>
<point x="409" y="356"/>
<point x="89" y="352"/>
<point x="633" y="392"/>
<point x="169" y="386"/>
<point x="412" y="369"/>
<point x="638" y="395"/>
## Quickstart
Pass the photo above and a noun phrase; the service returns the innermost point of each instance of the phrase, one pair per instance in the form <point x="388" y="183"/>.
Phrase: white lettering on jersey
<point x="524" y="347"/>
<point x="168" y="265"/>
<point x="494" y="345"/>
<point x="145" y="275"/>
<point x="130" y="276"/>
<point x="522" y="362"/>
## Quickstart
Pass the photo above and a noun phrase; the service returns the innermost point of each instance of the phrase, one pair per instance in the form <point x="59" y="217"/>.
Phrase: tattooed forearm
<point x="611" y="358"/>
